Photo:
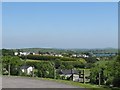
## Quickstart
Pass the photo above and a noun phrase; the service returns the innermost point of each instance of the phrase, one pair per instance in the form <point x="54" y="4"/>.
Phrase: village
<point x="64" y="66"/>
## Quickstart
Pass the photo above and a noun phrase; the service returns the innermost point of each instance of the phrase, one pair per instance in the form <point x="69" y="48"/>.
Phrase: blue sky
<point x="60" y="25"/>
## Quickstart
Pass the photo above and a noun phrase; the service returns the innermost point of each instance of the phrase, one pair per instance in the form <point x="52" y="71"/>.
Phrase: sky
<point x="0" y="25"/>
<point x="60" y="25"/>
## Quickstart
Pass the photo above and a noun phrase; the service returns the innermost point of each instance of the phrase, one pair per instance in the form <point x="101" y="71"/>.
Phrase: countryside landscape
<point x="60" y="45"/>
<point x="98" y="67"/>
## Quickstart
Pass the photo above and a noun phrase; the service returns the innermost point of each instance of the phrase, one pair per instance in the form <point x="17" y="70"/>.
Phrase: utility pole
<point x="99" y="79"/>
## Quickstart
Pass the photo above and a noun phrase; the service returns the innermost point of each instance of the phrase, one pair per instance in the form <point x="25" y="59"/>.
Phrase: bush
<point x="58" y="76"/>
<point x="23" y="74"/>
<point x="116" y="82"/>
<point x="109" y="82"/>
<point x="62" y="77"/>
<point x="4" y="72"/>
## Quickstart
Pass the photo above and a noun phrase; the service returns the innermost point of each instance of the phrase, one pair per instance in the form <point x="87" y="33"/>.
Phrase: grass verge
<point x="78" y="84"/>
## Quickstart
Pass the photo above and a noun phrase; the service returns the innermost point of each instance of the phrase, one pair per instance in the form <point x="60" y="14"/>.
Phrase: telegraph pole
<point x="99" y="79"/>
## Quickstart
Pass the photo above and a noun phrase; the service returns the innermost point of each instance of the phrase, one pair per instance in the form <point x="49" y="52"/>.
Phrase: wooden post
<point x="72" y="72"/>
<point x="25" y="66"/>
<point x="33" y="72"/>
<point x="84" y="76"/>
<point x="9" y="70"/>
<point x="79" y="74"/>
<point x="54" y="73"/>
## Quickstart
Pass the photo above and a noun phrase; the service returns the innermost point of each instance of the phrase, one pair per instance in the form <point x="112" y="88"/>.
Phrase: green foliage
<point x="104" y="68"/>
<point x="91" y="59"/>
<point x="82" y="60"/>
<point x="62" y="66"/>
<point x="45" y="70"/>
<point x="116" y="81"/>
<point x="110" y="72"/>
<point x="14" y="62"/>
<point x="48" y="58"/>
<point x="7" y="52"/>
<point x="33" y="63"/>
<point x="75" y="64"/>
<point x="40" y="57"/>
<point x="57" y="63"/>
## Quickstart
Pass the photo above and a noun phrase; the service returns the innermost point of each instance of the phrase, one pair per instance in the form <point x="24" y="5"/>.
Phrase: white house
<point x="74" y="55"/>
<point x="70" y="74"/>
<point x="58" y="55"/>
<point x="22" y="53"/>
<point x="16" y="53"/>
<point x="85" y="56"/>
<point x="27" y="69"/>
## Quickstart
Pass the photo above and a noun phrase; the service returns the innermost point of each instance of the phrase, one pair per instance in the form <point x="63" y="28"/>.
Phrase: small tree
<point x="12" y="64"/>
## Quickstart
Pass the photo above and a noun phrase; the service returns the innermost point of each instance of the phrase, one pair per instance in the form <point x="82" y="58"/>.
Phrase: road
<point x="26" y="82"/>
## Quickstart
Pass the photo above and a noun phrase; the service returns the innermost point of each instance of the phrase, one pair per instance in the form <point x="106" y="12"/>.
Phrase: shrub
<point x="116" y="82"/>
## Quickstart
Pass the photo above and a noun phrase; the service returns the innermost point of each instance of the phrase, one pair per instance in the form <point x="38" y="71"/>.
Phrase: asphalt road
<point x="25" y="82"/>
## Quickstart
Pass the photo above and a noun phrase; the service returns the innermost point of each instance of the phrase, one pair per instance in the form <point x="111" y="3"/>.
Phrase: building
<point x="27" y="69"/>
<point x="70" y="74"/>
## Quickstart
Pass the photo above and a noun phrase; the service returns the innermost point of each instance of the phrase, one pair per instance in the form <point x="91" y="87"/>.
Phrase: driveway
<point x="26" y="82"/>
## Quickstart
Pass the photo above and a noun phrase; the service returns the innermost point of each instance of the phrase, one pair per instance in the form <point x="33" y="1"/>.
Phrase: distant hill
<point x="55" y="50"/>
<point x="36" y="50"/>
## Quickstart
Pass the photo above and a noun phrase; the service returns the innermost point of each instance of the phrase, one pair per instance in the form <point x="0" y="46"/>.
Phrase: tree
<point x="62" y="67"/>
<point x="116" y="72"/>
<point x="7" y="52"/>
<point x="12" y="64"/>
<point x="57" y="63"/>
<point x="91" y="60"/>
<point x="69" y="66"/>
<point x="109" y="71"/>
<point x="104" y="68"/>
<point x="45" y="70"/>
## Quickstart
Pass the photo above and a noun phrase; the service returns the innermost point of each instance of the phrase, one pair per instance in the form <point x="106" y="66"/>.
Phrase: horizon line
<point x="59" y="48"/>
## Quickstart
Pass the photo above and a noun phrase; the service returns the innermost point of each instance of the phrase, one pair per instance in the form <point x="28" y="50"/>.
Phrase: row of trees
<point x="42" y="68"/>
<point x="59" y="64"/>
<point x="6" y="52"/>
<point x="47" y="58"/>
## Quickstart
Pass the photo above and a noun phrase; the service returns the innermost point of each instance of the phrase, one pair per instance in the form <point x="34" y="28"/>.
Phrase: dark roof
<point x="66" y="71"/>
<point x="24" y="67"/>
